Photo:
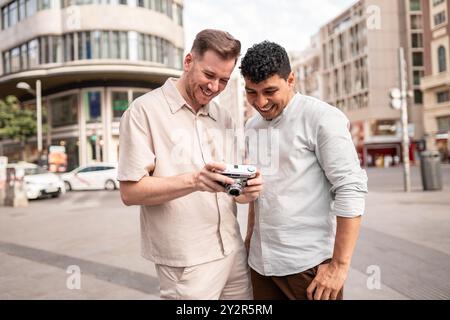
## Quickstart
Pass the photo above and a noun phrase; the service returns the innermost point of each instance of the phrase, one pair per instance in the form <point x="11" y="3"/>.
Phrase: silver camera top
<point x="239" y="171"/>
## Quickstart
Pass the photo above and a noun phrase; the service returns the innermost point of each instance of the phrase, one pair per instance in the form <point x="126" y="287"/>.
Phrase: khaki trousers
<point x="225" y="279"/>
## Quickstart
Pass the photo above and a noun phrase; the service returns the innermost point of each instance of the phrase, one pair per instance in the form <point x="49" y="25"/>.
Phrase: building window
<point x="179" y="14"/>
<point x="57" y="49"/>
<point x="15" y="59"/>
<point x="105" y="45"/>
<point x="96" y="44"/>
<point x="414" y="5"/>
<point x="64" y="111"/>
<point x="443" y="124"/>
<point x="19" y="10"/>
<point x="92" y="45"/>
<point x="92" y="106"/>
<point x="123" y="38"/>
<point x="31" y="7"/>
<point x="437" y="2"/>
<point x="22" y="11"/>
<point x="5" y="17"/>
<point x="33" y="53"/>
<point x="68" y="47"/>
<point x="133" y="50"/>
<point x="417" y="75"/>
<point x="119" y="103"/>
<point x="439" y="18"/>
<point x="418" y="96"/>
<point x="442" y="61"/>
<point x="6" y="62"/>
<point x="416" y="22"/>
<point x="417" y="59"/>
<point x="24" y="56"/>
<point x="443" y="96"/>
<point x="417" y="40"/>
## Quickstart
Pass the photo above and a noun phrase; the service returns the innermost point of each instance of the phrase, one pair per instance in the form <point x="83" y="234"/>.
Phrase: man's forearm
<point x="250" y="220"/>
<point x="347" y="232"/>
<point x="155" y="190"/>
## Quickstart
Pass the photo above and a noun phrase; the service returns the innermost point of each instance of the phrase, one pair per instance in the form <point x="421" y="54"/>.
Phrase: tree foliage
<point x="16" y="123"/>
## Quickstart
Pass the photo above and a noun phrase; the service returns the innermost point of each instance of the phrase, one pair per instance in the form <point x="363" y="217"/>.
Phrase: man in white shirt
<point x="303" y="228"/>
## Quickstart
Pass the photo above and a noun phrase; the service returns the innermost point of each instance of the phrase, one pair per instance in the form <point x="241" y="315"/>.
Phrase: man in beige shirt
<point x="172" y="140"/>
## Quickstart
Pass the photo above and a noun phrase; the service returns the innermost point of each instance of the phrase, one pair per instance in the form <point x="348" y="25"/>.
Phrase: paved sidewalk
<point x="404" y="236"/>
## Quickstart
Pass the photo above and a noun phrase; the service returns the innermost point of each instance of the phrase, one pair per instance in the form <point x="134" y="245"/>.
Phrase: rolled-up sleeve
<point x="337" y="156"/>
<point x="136" y="154"/>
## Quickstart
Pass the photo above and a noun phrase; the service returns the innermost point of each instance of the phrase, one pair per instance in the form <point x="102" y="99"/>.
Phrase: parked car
<point x="92" y="177"/>
<point x="38" y="181"/>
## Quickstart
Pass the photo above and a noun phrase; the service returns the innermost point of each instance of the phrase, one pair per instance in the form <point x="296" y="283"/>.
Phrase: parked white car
<point x="92" y="177"/>
<point x="38" y="181"/>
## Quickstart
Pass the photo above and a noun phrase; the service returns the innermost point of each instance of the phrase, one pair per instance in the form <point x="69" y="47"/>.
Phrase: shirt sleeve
<point x="136" y="151"/>
<point x="337" y="156"/>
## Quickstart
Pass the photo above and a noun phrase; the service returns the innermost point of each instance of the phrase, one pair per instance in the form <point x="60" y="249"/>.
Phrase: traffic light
<point x="396" y="98"/>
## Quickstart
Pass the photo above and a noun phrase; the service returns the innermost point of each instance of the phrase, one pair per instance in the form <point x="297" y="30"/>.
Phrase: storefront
<point x="85" y="122"/>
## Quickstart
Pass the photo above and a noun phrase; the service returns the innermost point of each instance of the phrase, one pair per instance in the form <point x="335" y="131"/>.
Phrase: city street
<point x="404" y="243"/>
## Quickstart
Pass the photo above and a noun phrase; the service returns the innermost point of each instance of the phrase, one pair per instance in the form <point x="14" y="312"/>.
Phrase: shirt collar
<point x="176" y="101"/>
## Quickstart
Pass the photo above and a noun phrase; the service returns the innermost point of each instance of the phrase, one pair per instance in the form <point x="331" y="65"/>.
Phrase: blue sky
<point x="287" y="22"/>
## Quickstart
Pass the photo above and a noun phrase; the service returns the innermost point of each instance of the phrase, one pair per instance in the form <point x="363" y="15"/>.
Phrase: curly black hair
<point x="264" y="60"/>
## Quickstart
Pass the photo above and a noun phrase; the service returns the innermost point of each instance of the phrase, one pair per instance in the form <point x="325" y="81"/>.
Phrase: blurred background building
<point x="93" y="58"/>
<point x="436" y="83"/>
<point x="352" y="63"/>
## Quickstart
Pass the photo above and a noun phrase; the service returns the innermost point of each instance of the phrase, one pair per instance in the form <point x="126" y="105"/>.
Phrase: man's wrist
<point x="190" y="181"/>
<point x="340" y="263"/>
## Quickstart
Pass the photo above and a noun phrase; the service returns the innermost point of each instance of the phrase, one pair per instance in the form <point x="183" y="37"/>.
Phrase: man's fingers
<point x="212" y="166"/>
<point x="310" y="290"/>
<point x="318" y="293"/>
<point x="213" y="186"/>
<point x="217" y="177"/>
<point x="326" y="294"/>
<point x="334" y="294"/>
<point x="252" y="189"/>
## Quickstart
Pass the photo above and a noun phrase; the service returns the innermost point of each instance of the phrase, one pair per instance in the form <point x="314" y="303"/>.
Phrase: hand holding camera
<point x="240" y="174"/>
<point x="244" y="182"/>
<point x="209" y="179"/>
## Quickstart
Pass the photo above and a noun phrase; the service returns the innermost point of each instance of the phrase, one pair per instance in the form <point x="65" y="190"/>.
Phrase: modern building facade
<point x="307" y="67"/>
<point x="93" y="58"/>
<point x="436" y="83"/>
<point x="359" y="51"/>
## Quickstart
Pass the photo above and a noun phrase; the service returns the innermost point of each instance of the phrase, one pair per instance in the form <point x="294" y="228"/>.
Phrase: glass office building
<point x="93" y="58"/>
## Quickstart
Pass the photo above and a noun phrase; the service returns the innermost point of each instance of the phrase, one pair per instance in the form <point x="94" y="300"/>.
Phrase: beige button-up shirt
<point x="161" y="136"/>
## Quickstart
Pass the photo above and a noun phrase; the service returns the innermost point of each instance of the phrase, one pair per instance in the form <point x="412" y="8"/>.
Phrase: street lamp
<point x="37" y="94"/>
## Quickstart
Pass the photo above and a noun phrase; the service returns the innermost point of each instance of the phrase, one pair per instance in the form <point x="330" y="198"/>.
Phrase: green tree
<point x="16" y="122"/>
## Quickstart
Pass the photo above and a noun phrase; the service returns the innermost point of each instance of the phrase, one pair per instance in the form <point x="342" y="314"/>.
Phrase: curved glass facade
<point x="18" y="10"/>
<point x="87" y="45"/>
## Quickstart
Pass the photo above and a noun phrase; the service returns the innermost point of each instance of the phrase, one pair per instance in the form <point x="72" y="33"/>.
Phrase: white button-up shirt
<point x="313" y="176"/>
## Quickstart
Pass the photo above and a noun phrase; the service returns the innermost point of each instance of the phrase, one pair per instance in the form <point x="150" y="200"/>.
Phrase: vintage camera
<point x="240" y="174"/>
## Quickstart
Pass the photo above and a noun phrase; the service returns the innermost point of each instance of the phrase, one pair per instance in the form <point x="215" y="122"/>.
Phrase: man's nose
<point x="261" y="101"/>
<point x="213" y="85"/>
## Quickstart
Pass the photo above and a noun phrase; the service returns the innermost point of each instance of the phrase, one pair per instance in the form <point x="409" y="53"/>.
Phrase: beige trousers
<point x="225" y="279"/>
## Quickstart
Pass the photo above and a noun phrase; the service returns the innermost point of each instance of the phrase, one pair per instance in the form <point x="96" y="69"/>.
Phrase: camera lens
<point x="234" y="192"/>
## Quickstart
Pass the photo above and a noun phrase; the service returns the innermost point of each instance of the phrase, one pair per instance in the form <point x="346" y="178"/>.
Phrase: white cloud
<point x="290" y="23"/>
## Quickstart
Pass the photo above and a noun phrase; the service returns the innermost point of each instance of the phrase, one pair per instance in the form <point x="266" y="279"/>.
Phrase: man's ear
<point x="291" y="80"/>
<point x="188" y="60"/>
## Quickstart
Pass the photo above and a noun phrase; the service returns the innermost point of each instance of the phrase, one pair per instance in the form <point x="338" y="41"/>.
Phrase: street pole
<point x="404" y="116"/>
<point x="39" y="117"/>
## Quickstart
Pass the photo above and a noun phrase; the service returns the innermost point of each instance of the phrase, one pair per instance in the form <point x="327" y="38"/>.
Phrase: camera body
<point x="240" y="174"/>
